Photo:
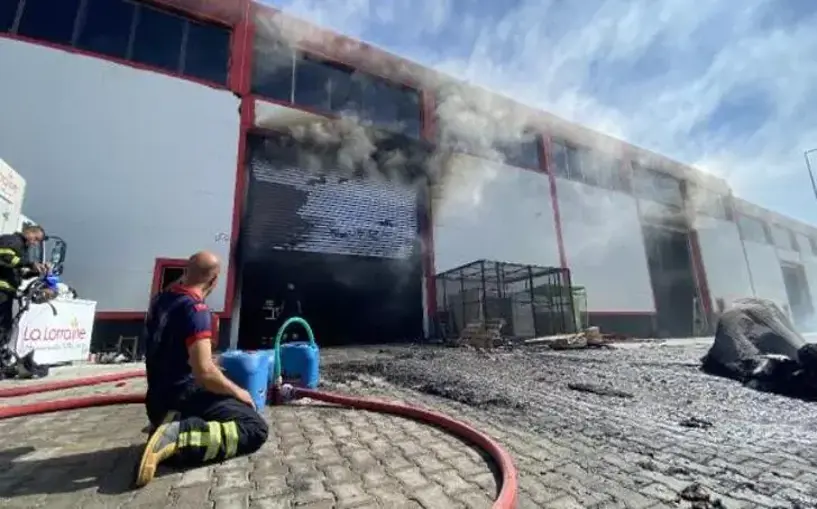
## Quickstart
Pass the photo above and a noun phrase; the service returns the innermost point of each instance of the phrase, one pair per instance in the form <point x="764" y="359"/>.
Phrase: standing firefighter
<point x="14" y="266"/>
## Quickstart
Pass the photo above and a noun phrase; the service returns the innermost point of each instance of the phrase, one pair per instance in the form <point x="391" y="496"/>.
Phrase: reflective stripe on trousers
<point x="220" y="436"/>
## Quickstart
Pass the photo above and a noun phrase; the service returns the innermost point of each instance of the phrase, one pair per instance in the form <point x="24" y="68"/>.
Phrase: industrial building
<point x="150" y="130"/>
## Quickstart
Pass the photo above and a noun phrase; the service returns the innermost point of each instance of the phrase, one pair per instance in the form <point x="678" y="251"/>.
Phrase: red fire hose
<point x="507" y="498"/>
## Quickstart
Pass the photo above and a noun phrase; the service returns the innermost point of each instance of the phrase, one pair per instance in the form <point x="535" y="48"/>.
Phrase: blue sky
<point x="728" y="86"/>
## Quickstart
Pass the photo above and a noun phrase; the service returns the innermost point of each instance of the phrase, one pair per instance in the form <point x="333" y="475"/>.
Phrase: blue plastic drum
<point x="297" y="363"/>
<point x="250" y="371"/>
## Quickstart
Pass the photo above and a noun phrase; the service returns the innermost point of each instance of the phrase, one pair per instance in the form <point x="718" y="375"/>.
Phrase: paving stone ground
<point x="583" y="452"/>
<point x="317" y="457"/>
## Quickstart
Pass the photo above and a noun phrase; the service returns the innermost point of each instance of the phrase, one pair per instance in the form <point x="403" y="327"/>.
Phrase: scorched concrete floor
<point x="637" y="427"/>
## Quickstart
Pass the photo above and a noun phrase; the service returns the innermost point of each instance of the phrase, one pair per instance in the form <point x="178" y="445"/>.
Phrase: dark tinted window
<point x="783" y="238"/>
<point x="752" y="229"/>
<point x="313" y="85"/>
<point x="48" y="20"/>
<point x="273" y="68"/>
<point x="328" y="87"/>
<point x="602" y="170"/>
<point x="591" y="168"/>
<point x="388" y="105"/>
<point x="658" y="187"/>
<point x="207" y="53"/>
<point x="335" y="88"/>
<point x="707" y="202"/>
<point x="523" y="153"/>
<point x="158" y="39"/>
<point x="106" y="28"/>
<point x="8" y="12"/>
<point x="559" y="162"/>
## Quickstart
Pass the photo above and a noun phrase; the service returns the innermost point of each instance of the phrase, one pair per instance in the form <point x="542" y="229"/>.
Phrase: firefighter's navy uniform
<point x="210" y="427"/>
<point x="13" y="261"/>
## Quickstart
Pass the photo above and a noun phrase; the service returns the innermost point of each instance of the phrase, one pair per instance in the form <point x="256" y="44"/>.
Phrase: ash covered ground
<point x="651" y="403"/>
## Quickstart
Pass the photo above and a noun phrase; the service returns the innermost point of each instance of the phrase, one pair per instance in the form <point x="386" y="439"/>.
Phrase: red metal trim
<point x="544" y="165"/>
<point x="699" y="272"/>
<point x="130" y="316"/>
<point x="119" y="316"/>
<point x="696" y="255"/>
<point x="242" y="55"/>
<point x="428" y="107"/>
<point x="119" y="61"/>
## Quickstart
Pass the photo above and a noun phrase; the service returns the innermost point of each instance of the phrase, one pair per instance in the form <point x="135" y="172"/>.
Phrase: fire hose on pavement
<point x="506" y="499"/>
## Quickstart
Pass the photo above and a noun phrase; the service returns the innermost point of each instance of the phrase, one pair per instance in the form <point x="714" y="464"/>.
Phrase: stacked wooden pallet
<point x="484" y="334"/>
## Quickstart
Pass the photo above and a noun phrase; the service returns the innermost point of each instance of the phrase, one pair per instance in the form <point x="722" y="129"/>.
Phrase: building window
<point x="813" y="243"/>
<point x="125" y="30"/>
<point x="106" y="27"/>
<point x="523" y="153"/>
<point x="708" y="203"/>
<point x="273" y="70"/>
<point x="588" y="167"/>
<point x="8" y="15"/>
<point x="157" y="41"/>
<point x="783" y="238"/>
<point x="49" y="21"/>
<point x="753" y="229"/>
<point x="394" y="107"/>
<point x="279" y="73"/>
<point x="207" y="52"/>
<point x="658" y="187"/>
<point x="803" y="243"/>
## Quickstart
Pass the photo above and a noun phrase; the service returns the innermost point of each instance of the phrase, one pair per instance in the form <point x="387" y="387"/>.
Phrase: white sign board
<point x="61" y="337"/>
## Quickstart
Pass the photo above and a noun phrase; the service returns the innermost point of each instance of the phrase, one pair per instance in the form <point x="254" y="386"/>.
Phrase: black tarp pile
<point x="756" y="343"/>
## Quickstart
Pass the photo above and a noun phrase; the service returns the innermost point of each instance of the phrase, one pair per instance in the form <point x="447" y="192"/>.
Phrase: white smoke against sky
<point x="726" y="86"/>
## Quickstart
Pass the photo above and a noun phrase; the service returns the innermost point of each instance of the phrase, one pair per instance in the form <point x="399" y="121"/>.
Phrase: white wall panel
<point x="126" y="165"/>
<point x="724" y="262"/>
<point x="604" y="246"/>
<point x="810" y="268"/>
<point x="766" y="272"/>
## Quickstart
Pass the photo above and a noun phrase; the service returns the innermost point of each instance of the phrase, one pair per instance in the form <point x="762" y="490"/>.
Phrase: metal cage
<point x="529" y="300"/>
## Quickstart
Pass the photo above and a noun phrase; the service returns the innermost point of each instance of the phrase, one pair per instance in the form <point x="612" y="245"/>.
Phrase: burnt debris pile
<point x="756" y="344"/>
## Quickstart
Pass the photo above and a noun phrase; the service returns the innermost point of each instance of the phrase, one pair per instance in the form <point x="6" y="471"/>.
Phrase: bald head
<point x="202" y="269"/>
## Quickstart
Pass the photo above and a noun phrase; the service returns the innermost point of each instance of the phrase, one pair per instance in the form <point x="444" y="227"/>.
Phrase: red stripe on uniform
<point x="197" y="337"/>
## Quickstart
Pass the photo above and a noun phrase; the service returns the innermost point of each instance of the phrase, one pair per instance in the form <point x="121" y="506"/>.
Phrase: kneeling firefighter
<point x="15" y="265"/>
<point x="198" y="415"/>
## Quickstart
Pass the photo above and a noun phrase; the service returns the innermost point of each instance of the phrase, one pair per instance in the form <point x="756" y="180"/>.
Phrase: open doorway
<point x="673" y="282"/>
<point x="797" y="291"/>
<point x="345" y="299"/>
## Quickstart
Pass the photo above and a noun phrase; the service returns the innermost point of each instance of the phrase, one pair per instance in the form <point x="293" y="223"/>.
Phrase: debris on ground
<point x="696" y="422"/>
<point x="536" y="389"/>
<point x="487" y="335"/>
<point x="588" y="338"/>
<point x="482" y="334"/>
<point x="700" y="498"/>
<point x="756" y="343"/>
<point x="599" y="390"/>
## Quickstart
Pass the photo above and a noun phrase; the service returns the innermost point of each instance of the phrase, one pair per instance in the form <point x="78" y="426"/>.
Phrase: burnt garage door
<point x="341" y="246"/>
